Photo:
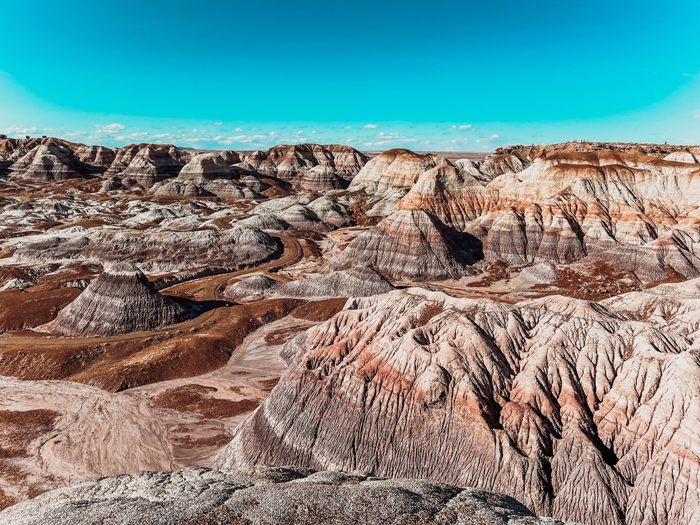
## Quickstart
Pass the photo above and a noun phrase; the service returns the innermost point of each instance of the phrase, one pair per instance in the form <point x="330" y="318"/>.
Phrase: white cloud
<point x="494" y="136"/>
<point x="109" y="129"/>
<point x="371" y="126"/>
<point x="218" y="123"/>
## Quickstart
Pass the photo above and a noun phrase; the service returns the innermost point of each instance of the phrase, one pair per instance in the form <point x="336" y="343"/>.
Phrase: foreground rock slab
<point x="266" y="496"/>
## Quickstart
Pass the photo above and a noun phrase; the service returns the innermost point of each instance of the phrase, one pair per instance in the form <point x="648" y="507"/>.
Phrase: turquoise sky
<point x="424" y="75"/>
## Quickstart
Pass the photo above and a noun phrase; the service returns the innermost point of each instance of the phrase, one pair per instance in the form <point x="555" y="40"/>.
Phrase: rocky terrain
<point x="521" y="322"/>
<point x="267" y="496"/>
<point x="575" y="408"/>
<point x="119" y="301"/>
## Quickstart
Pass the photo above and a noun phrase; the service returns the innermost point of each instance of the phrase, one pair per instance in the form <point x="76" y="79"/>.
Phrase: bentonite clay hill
<point x="521" y="322"/>
<point x="583" y="411"/>
<point x="637" y="211"/>
<point x="119" y="301"/>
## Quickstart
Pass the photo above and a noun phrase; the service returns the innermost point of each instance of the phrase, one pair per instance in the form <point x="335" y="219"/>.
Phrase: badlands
<point x="314" y="334"/>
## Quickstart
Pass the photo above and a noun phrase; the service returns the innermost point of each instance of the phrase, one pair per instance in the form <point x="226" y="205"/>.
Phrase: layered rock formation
<point x="396" y="169"/>
<point x="636" y="211"/>
<point x="44" y="163"/>
<point x="288" y="162"/>
<point x="320" y="178"/>
<point x="206" y="166"/>
<point x="154" y="252"/>
<point x="197" y="496"/>
<point x="583" y="411"/>
<point x="208" y="175"/>
<point x="409" y="245"/>
<point x="119" y="301"/>
<point x="150" y="165"/>
<point x="323" y="214"/>
<point x="358" y="282"/>
<point x="683" y="156"/>
<point x="96" y="156"/>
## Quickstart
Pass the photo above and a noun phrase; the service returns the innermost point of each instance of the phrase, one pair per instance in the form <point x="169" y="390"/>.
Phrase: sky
<point x="434" y="76"/>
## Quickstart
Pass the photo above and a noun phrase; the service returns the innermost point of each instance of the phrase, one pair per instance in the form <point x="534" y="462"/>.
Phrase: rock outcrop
<point x="155" y="251"/>
<point x="683" y="156"/>
<point x="357" y="282"/>
<point x="119" y="301"/>
<point x="45" y="163"/>
<point x="206" y="166"/>
<point x="583" y="411"/>
<point x="96" y="156"/>
<point x="208" y="175"/>
<point x="396" y="169"/>
<point x="321" y="179"/>
<point x="409" y="245"/>
<point x="262" y="496"/>
<point x="288" y="162"/>
<point x="634" y="210"/>
<point x="151" y="165"/>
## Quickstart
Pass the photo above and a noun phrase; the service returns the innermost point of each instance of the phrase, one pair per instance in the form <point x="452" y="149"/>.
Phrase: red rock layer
<point x="567" y="405"/>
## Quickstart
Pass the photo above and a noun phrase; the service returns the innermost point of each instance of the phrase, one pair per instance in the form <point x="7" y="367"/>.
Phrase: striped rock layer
<point x="638" y="212"/>
<point x="288" y="162"/>
<point x="583" y="411"/>
<point x="119" y="301"/>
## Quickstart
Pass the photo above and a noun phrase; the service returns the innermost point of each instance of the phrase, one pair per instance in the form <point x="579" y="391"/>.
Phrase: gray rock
<point x="264" y="495"/>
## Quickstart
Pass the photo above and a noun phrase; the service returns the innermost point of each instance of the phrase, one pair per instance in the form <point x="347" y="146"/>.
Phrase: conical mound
<point x="119" y="301"/>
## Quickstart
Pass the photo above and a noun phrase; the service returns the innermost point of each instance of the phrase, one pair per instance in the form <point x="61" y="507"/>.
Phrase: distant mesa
<point x="119" y="301"/>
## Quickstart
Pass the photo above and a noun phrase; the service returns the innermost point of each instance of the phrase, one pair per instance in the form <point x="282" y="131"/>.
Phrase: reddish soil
<point x="197" y="399"/>
<point x="20" y="310"/>
<point x="320" y="311"/>
<point x="124" y="364"/>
